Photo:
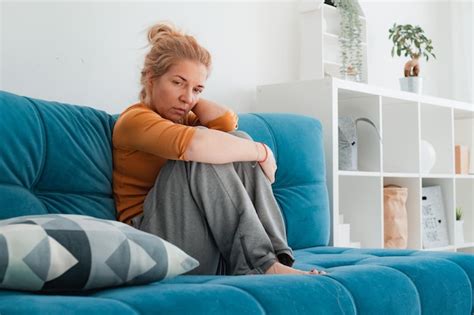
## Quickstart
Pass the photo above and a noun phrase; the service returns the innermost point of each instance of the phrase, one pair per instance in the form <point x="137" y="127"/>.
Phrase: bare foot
<point x="278" y="268"/>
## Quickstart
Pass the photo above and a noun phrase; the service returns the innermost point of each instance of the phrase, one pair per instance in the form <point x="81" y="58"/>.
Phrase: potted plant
<point x="350" y="39"/>
<point x="459" y="229"/>
<point x="410" y="41"/>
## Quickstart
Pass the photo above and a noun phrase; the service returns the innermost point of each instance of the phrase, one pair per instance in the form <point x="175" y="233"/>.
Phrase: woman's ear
<point x="150" y="82"/>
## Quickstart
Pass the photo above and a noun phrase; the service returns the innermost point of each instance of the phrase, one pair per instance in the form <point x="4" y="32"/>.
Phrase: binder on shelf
<point x="434" y="224"/>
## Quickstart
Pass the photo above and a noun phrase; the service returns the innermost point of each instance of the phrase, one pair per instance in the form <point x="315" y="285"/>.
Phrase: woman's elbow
<point x="193" y="148"/>
<point x="189" y="154"/>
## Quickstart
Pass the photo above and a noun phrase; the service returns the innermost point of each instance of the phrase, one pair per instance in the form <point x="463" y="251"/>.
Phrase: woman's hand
<point x="269" y="166"/>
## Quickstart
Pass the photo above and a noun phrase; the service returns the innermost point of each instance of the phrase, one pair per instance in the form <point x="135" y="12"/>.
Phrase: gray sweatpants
<point x="223" y="215"/>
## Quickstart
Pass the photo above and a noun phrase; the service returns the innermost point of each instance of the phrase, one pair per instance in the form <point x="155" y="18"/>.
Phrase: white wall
<point x="462" y="13"/>
<point x="278" y="42"/>
<point x="91" y="53"/>
<point x="433" y="17"/>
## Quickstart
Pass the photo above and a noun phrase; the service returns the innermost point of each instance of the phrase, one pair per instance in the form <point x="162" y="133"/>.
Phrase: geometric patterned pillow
<point x="57" y="252"/>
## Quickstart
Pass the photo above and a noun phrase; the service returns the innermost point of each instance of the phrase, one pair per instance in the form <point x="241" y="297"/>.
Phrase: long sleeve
<point x="144" y="130"/>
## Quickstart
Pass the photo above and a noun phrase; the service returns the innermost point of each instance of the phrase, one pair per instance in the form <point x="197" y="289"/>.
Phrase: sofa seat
<point x="359" y="281"/>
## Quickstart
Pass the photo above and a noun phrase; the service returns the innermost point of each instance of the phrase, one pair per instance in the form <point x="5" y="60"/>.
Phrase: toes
<point x="316" y="272"/>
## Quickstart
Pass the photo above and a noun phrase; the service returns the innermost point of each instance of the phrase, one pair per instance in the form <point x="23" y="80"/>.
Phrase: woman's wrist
<point x="266" y="153"/>
<point x="262" y="154"/>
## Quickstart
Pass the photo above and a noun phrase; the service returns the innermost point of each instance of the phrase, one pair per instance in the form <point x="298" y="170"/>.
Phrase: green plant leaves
<point x="410" y="40"/>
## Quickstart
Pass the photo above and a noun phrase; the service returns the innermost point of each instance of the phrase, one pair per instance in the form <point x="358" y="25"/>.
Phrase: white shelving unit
<point x="320" y="30"/>
<point x="403" y="120"/>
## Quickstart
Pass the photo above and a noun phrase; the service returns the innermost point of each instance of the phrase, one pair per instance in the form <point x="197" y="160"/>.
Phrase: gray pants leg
<point x="224" y="215"/>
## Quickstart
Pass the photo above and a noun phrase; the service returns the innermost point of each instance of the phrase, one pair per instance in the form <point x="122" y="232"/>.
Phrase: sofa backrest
<point x="57" y="158"/>
<point x="300" y="184"/>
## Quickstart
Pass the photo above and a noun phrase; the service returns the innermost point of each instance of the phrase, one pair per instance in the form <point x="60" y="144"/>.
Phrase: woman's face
<point x="177" y="91"/>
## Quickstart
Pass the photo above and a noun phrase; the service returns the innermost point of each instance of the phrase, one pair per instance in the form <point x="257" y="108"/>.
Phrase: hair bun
<point x="158" y="31"/>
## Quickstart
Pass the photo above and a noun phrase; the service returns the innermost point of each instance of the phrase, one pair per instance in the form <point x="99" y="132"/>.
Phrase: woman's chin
<point x="177" y="119"/>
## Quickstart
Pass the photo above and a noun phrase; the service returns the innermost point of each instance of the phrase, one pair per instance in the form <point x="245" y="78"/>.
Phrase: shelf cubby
<point x="356" y="105"/>
<point x="437" y="129"/>
<point x="413" y="205"/>
<point x="465" y="199"/>
<point x="464" y="133"/>
<point x="330" y="47"/>
<point x="320" y="49"/>
<point x="361" y="208"/>
<point x="400" y="135"/>
<point x="447" y="192"/>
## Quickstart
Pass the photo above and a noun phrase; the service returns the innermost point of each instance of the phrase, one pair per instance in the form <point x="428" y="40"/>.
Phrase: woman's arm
<point x="217" y="147"/>
<point x="207" y="110"/>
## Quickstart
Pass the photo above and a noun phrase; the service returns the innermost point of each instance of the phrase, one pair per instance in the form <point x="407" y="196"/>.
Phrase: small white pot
<point x="459" y="232"/>
<point x="411" y="84"/>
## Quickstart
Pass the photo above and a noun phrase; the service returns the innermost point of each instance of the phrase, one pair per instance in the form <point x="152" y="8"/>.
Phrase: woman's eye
<point x="177" y="82"/>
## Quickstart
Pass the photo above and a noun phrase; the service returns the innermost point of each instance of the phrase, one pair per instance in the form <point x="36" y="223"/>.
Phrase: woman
<point x="182" y="172"/>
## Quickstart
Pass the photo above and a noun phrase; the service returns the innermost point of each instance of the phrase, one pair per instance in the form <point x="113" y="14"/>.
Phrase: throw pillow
<point x="57" y="252"/>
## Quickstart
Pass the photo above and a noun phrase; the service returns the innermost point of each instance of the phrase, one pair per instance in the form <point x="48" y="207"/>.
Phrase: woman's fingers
<point x="268" y="172"/>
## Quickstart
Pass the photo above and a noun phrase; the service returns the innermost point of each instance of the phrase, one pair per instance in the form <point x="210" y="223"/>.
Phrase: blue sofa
<point x="57" y="158"/>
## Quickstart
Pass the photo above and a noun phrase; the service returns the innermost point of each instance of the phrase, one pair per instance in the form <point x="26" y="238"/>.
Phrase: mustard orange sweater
<point x="142" y="143"/>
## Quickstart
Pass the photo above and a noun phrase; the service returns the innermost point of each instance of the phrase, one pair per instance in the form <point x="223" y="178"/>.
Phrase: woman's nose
<point x="187" y="96"/>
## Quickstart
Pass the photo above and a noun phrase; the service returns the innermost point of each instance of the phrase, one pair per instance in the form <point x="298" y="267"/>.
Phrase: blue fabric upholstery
<point x="56" y="158"/>
<point x="300" y="184"/>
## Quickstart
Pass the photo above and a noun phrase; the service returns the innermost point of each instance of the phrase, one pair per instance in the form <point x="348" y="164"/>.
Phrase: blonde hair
<point x="168" y="46"/>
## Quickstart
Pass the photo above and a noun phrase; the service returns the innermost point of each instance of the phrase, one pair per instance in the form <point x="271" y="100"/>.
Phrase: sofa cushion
<point x="55" y="253"/>
<point x="55" y="158"/>
<point x="300" y="183"/>
<point x="359" y="281"/>
<point x="378" y="279"/>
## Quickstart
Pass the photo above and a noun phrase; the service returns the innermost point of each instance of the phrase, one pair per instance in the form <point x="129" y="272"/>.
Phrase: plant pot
<point x="459" y="232"/>
<point x="411" y="84"/>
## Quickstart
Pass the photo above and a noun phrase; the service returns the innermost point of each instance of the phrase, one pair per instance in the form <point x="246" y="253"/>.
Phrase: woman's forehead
<point x="190" y="71"/>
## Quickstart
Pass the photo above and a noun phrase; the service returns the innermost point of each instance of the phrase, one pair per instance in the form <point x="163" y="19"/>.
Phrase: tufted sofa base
<point x="359" y="281"/>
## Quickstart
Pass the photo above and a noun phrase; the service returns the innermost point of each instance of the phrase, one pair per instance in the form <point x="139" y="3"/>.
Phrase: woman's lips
<point x="179" y="111"/>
